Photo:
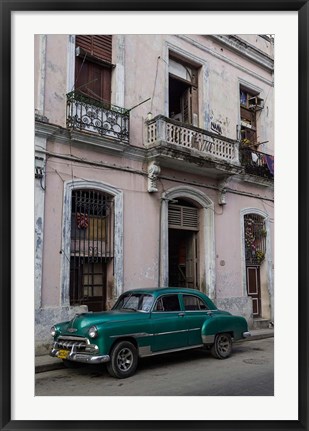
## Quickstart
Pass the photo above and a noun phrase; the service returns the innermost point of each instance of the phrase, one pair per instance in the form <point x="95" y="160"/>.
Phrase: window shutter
<point x="186" y="106"/>
<point x="194" y="106"/>
<point x="189" y="218"/>
<point x="93" y="71"/>
<point x="182" y="217"/>
<point x="189" y="106"/>
<point x="174" y="215"/>
<point x="97" y="46"/>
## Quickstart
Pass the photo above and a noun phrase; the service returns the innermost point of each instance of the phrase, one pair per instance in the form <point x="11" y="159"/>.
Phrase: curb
<point x="43" y="368"/>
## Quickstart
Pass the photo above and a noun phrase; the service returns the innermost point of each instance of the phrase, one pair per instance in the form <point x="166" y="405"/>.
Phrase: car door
<point x="196" y="312"/>
<point x="168" y="324"/>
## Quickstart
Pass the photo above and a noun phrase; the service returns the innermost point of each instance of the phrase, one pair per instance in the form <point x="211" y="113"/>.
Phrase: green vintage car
<point x="147" y="322"/>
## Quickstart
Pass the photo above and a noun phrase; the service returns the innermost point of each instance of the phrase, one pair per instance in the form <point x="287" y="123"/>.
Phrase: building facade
<point x="154" y="166"/>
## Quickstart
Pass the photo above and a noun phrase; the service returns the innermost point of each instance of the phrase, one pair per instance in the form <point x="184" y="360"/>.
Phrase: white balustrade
<point x="161" y="129"/>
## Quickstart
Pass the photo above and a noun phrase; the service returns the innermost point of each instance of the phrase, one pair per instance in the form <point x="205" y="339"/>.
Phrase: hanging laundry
<point x="270" y="163"/>
<point x="254" y="157"/>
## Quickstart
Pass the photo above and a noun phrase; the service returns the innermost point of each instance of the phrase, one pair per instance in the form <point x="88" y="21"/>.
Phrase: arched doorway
<point x="198" y="241"/>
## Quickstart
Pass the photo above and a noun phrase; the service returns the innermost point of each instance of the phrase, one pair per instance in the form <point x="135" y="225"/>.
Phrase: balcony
<point x="183" y="146"/>
<point x="96" y="117"/>
<point x="256" y="163"/>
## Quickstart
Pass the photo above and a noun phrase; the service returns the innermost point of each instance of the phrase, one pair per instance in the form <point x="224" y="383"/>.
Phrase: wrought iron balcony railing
<point x="165" y="130"/>
<point x="257" y="163"/>
<point x="99" y="117"/>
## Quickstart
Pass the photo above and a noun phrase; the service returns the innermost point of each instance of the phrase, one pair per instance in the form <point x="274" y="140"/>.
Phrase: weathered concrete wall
<point x="239" y="306"/>
<point x="45" y="318"/>
<point x="56" y="78"/>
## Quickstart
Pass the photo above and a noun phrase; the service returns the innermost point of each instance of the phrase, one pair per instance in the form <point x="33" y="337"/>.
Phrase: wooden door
<point x="93" y="79"/>
<point x="88" y="283"/>
<point x="254" y="289"/>
<point x="191" y="261"/>
<point x="189" y="106"/>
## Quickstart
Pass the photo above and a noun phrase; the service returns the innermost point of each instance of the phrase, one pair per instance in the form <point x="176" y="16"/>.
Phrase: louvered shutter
<point x="93" y="66"/>
<point x="97" y="46"/>
<point x="182" y="217"/>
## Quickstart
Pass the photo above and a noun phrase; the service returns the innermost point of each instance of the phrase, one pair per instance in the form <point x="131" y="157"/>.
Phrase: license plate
<point x="63" y="354"/>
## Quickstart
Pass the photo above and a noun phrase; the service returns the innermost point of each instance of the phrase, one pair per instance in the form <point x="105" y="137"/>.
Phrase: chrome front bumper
<point x="246" y="334"/>
<point x="82" y="357"/>
<point x="77" y="349"/>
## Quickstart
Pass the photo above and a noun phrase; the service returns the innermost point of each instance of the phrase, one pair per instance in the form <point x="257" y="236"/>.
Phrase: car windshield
<point x="134" y="302"/>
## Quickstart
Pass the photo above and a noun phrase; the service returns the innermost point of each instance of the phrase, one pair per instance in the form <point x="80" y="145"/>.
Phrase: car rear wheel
<point x="123" y="360"/>
<point x="222" y="347"/>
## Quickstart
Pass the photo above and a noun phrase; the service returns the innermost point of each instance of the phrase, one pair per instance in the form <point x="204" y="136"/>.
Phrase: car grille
<point x="64" y="343"/>
<point x="78" y="344"/>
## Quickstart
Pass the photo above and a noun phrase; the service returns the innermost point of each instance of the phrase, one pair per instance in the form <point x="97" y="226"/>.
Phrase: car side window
<point x="193" y="303"/>
<point x="167" y="303"/>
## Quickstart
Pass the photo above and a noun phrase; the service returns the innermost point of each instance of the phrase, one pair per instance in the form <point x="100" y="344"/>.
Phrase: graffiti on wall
<point x="215" y="127"/>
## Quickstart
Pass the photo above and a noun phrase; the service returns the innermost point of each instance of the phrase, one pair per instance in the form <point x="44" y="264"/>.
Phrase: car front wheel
<point x="123" y="360"/>
<point x="222" y="347"/>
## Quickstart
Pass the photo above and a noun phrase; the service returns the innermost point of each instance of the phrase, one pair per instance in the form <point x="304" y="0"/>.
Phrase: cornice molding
<point x="227" y="60"/>
<point x="111" y="146"/>
<point x="246" y="50"/>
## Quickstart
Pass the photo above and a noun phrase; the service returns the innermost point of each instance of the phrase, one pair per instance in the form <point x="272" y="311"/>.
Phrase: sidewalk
<point x="47" y="363"/>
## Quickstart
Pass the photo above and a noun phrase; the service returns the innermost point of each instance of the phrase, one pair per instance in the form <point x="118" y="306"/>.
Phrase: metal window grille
<point x="255" y="239"/>
<point x="91" y="247"/>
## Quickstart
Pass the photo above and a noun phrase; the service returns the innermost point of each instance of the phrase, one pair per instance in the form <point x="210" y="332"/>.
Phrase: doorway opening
<point x="183" y="245"/>
<point x="183" y="92"/>
<point x="182" y="259"/>
<point x="255" y="249"/>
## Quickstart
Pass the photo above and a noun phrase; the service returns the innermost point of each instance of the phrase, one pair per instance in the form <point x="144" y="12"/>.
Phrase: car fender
<point x="234" y="325"/>
<point x="112" y="332"/>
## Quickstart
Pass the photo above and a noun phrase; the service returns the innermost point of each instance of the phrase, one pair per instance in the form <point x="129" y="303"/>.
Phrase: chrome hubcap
<point x="124" y="359"/>
<point x="223" y="344"/>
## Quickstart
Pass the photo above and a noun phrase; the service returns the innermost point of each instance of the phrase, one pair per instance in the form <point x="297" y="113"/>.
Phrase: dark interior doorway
<point x="183" y="258"/>
<point x="179" y="100"/>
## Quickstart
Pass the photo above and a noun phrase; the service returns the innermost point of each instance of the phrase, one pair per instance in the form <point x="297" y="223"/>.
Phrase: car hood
<point x="85" y="320"/>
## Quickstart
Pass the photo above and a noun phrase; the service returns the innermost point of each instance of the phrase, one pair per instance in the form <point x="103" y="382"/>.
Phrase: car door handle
<point x="181" y="314"/>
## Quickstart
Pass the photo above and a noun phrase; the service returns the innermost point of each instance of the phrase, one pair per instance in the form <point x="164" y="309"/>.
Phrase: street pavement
<point x="249" y="371"/>
<point x="46" y="363"/>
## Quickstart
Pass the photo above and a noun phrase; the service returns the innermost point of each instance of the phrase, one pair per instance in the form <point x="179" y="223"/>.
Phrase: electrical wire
<point x="100" y="165"/>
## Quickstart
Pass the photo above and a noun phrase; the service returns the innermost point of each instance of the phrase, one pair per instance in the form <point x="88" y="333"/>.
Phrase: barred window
<point x="255" y="239"/>
<point x="91" y="247"/>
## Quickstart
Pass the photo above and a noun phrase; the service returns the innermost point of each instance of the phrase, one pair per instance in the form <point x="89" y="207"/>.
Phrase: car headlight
<point x="93" y="332"/>
<point x="53" y="331"/>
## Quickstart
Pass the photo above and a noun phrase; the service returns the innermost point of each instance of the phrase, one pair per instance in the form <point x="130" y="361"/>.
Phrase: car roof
<point x="156" y="291"/>
<point x="161" y="290"/>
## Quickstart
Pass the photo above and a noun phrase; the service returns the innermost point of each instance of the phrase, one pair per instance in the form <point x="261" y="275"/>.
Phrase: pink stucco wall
<point x="146" y="75"/>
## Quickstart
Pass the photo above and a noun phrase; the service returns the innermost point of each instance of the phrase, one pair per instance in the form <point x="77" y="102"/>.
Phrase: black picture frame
<point x="7" y="7"/>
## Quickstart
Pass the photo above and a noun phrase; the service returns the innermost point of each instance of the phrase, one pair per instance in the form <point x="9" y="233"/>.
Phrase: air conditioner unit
<point x="256" y="103"/>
